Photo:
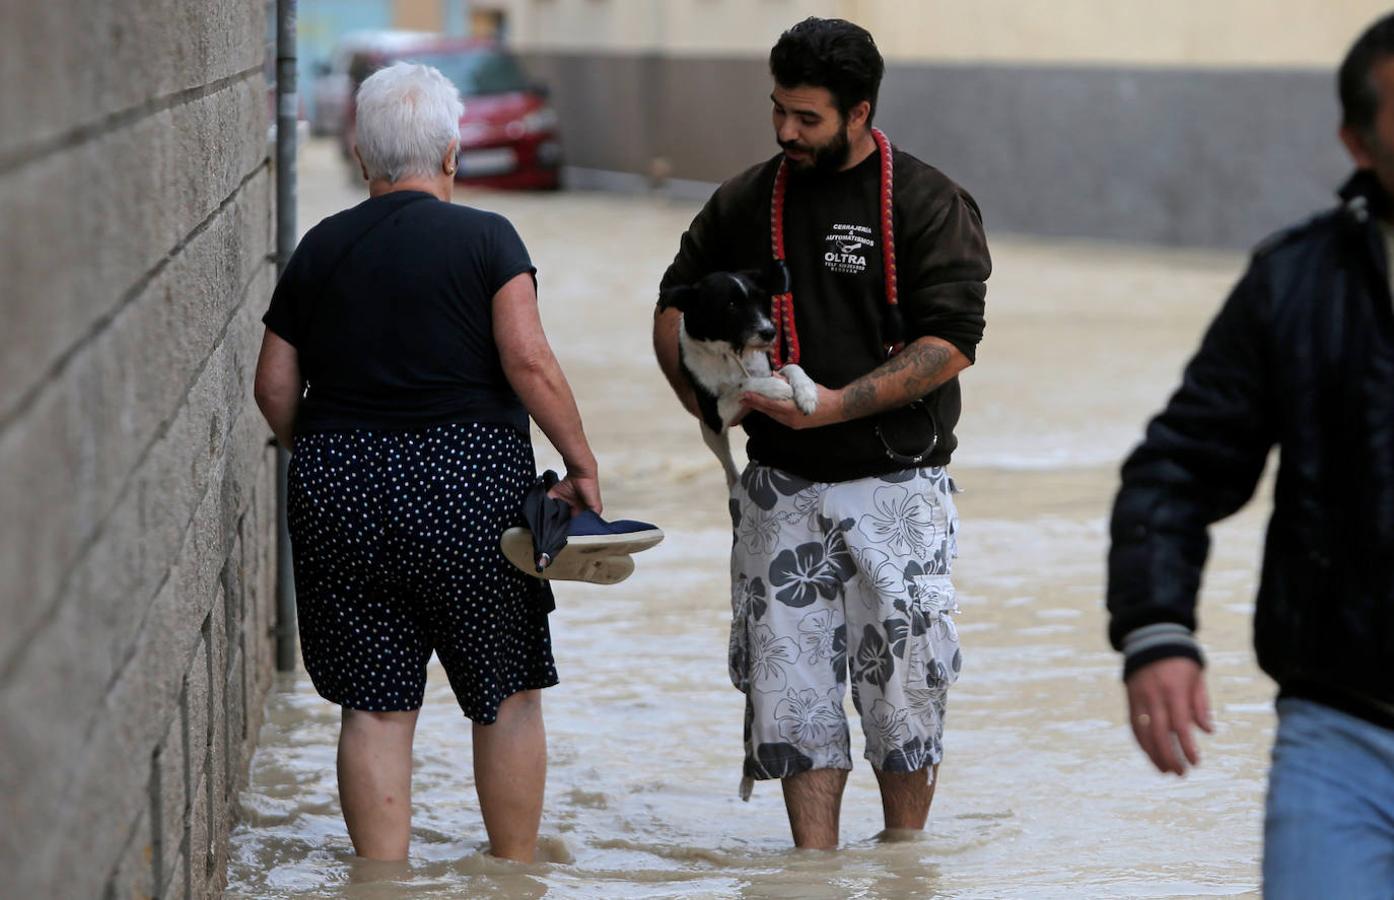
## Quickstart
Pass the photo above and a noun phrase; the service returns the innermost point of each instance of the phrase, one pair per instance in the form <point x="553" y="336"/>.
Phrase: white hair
<point x="407" y="116"/>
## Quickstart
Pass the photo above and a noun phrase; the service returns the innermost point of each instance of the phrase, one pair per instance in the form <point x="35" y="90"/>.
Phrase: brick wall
<point x="136" y="553"/>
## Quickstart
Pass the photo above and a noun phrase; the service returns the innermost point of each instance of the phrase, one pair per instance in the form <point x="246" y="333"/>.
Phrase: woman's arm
<point x="534" y="373"/>
<point x="279" y="386"/>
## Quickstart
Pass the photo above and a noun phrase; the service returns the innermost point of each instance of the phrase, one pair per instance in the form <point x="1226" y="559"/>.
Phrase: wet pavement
<point x="1042" y="792"/>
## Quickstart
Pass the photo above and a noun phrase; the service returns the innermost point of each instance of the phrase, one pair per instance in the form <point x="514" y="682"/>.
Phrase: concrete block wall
<point x="136" y="545"/>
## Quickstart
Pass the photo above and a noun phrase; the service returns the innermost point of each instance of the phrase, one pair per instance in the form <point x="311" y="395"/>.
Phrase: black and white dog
<point x="724" y="337"/>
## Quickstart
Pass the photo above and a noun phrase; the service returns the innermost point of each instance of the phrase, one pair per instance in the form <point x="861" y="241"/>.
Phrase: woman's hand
<point x="581" y="490"/>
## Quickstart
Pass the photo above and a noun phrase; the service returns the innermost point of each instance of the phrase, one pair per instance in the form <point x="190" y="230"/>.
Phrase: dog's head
<point x="727" y="307"/>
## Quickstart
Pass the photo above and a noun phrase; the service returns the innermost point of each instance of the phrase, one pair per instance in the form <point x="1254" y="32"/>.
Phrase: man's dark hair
<point x="832" y="54"/>
<point x="1356" y="82"/>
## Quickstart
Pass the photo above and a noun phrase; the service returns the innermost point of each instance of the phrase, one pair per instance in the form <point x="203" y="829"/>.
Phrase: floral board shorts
<point x="838" y="582"/>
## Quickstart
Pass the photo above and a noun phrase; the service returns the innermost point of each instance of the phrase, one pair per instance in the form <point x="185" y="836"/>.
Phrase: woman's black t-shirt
<point x="389" y="305"/>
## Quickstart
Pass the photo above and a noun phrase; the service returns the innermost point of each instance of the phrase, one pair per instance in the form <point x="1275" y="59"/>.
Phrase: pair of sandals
<point x="558" y="546"/>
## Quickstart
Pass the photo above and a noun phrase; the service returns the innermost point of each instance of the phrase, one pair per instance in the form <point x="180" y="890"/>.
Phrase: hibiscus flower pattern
<point x="929" y="705"/>
<point x="765" y="485"/>
<point x="927" y="702"/>
<point x="748" y="604"/>
<point x="934" y="595"/>
<point x="749" y="597"/>
<point x="935" y="658"/>
<point x="821" y="638"/>
<point x="814" y="569"/>
<point x="839" y="660"/>
<point x="897" y="633"/>
<point x="803" y="508"/>
<point x="886" y="728"/>
<point x="933" y="603"/>
<point x="917" y="662"/>
<point x="770" y="659"/>
<point x="881" y="575"/>
<point x="835" y="546"/>
<point x="810" y="719"/>
<point x="913" y="755"/>
<point x="901" y="520"/>
<point x="799" y="576"/>
<point x="873" y="660"/>
<point x="839" y="586"/>
<point x="759" y="531"/>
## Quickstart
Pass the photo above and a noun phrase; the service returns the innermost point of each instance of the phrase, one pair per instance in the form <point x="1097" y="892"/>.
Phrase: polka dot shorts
<point x="395" y="541"/>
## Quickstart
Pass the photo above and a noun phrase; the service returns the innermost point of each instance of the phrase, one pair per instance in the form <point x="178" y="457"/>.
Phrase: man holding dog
<point x="845" y="527"/>
<point x="1301" y="356"/>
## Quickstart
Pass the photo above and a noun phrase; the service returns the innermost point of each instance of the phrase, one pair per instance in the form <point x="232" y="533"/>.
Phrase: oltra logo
<point x="847" y="248"/>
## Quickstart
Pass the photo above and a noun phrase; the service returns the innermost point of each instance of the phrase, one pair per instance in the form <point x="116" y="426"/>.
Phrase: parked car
<point x="333" y="89"/>
<point x="509" y="136"/>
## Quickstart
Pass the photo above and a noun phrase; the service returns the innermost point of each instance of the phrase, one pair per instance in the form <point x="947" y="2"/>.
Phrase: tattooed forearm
<point x="915" y="371"/>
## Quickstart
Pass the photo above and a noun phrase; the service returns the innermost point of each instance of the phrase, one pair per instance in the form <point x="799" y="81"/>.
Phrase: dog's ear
<point x="678" y="297"/>
<point x="772" y="279"/>
<point x="753" y="276"/>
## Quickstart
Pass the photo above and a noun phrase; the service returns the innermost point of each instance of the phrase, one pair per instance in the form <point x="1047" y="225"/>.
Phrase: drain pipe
<point x="287" y="106"/>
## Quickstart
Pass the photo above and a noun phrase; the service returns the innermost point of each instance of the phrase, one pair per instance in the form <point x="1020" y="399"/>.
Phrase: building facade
<point x="1192" y="122"/>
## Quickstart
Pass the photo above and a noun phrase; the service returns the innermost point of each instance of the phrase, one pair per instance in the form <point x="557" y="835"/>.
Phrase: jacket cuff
<point x="1150" y="643"/>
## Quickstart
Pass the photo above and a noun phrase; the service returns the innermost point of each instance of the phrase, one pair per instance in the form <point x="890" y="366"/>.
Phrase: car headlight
<point x="537" y="121"/>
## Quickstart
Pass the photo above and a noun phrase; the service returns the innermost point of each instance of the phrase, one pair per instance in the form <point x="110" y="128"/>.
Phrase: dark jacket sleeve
<point x="947" y="262"/>
<point x="1199" y="462"/>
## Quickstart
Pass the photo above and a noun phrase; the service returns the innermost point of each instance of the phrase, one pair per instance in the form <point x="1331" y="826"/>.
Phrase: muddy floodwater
<point x="1042" y="792"/>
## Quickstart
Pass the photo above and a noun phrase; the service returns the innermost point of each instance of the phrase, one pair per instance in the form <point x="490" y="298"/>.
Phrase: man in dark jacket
<point x="1301" y="356"/>
<point x="845" y="527"/>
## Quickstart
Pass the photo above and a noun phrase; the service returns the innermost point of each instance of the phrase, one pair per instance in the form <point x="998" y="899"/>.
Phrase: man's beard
<point x="830" y="157"/>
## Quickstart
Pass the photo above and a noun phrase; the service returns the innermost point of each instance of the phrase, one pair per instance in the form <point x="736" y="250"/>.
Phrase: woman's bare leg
<point x="510" y="774"/>
<point x="375" y="781"/>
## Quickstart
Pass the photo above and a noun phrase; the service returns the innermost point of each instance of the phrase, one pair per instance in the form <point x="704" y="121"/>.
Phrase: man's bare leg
<point x="813" y="800"/>
<point x="375" y="781"/>
<point x="906" y="796"/>
<point x="510" y="774"/>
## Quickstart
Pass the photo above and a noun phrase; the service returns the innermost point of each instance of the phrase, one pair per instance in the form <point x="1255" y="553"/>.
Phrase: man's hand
<point x="924" y="365"/>
<point x="828" y="411"/>
<point x="1165" y="699"/>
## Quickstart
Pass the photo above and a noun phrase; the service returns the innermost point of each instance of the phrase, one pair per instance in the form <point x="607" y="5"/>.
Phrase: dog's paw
<point x="769" y="386"/>
<point x="804" y="391"/>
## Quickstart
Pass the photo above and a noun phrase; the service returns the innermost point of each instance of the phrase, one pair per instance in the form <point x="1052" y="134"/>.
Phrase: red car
<point x="508" y="131"/>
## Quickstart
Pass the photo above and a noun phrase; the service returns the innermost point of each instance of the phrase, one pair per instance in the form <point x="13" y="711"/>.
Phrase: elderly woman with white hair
<point x="402" y="358"/>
